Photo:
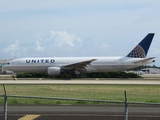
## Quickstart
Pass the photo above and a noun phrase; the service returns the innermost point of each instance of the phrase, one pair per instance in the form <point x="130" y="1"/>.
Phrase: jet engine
<point x="54" y="71"/>
<point x="90" y="69"/>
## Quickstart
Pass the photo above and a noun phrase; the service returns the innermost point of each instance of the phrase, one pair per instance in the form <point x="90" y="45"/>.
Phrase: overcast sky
<point x="36" y="28"/>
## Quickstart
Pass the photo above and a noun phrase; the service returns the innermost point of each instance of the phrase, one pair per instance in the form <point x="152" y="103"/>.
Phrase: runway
<point x="83" y="81"/>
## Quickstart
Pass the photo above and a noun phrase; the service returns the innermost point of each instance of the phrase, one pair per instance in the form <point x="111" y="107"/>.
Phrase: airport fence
<point x="18" y="107"/>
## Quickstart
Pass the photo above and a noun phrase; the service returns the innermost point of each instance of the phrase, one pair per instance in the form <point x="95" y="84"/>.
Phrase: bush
<point x="32" y="75"/>
<point x="118" y="74"/>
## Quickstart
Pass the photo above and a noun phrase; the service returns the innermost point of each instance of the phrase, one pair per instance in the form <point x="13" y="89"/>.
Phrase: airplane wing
<point x="144" y="60"/>
<point x="79" y="64"/>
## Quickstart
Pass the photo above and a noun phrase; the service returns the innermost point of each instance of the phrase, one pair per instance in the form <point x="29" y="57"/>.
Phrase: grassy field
<point x="136" y="93"/>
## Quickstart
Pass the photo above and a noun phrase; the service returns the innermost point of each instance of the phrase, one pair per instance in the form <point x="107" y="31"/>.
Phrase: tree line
<point x="118" y="74"/>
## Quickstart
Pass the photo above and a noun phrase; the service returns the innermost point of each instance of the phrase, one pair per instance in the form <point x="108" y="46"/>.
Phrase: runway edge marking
<point x="29" y="117"/>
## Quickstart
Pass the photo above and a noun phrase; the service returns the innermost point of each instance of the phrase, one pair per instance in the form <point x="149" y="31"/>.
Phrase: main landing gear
<point x="78" y="74"/>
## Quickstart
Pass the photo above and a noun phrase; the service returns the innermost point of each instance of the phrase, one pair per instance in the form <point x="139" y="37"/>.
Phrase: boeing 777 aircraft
<point x="79" y="65"/>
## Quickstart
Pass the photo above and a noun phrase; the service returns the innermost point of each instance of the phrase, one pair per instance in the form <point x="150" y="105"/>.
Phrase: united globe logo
<point x="137" y="52"/>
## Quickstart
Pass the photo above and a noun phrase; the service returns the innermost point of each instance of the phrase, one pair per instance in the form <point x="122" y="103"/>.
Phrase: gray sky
<point x="36" y="28"/>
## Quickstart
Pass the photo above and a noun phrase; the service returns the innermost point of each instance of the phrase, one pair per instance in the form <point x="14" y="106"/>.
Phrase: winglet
<point x="141" y="50"/>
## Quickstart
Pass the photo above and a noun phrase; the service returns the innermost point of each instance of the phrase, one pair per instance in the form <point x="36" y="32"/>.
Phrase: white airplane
<point x="79" y="65"/>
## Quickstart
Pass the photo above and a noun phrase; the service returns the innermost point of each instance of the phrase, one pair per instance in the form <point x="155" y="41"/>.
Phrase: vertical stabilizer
<point x="141" y="50"/>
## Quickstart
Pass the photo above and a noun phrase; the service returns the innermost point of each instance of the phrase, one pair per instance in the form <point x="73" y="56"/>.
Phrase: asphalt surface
<point x="82" y="112"/>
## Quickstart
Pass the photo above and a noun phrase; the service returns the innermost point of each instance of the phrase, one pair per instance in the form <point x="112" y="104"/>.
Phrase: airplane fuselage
<point x="101" y="64"/>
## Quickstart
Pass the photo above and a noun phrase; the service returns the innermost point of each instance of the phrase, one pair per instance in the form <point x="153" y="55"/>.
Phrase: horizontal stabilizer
<point x="145" y="60"/>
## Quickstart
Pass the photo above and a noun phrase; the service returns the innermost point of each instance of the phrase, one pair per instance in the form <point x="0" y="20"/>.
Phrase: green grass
<point x="136" y="93"/>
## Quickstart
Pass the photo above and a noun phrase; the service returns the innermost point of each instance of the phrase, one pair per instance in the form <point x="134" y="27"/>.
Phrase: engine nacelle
<point x="54" y="71"/>
<point x="90" y="69"/>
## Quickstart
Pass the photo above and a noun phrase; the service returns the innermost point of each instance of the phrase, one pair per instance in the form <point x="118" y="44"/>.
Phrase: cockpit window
<point x="8" y="63"/>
